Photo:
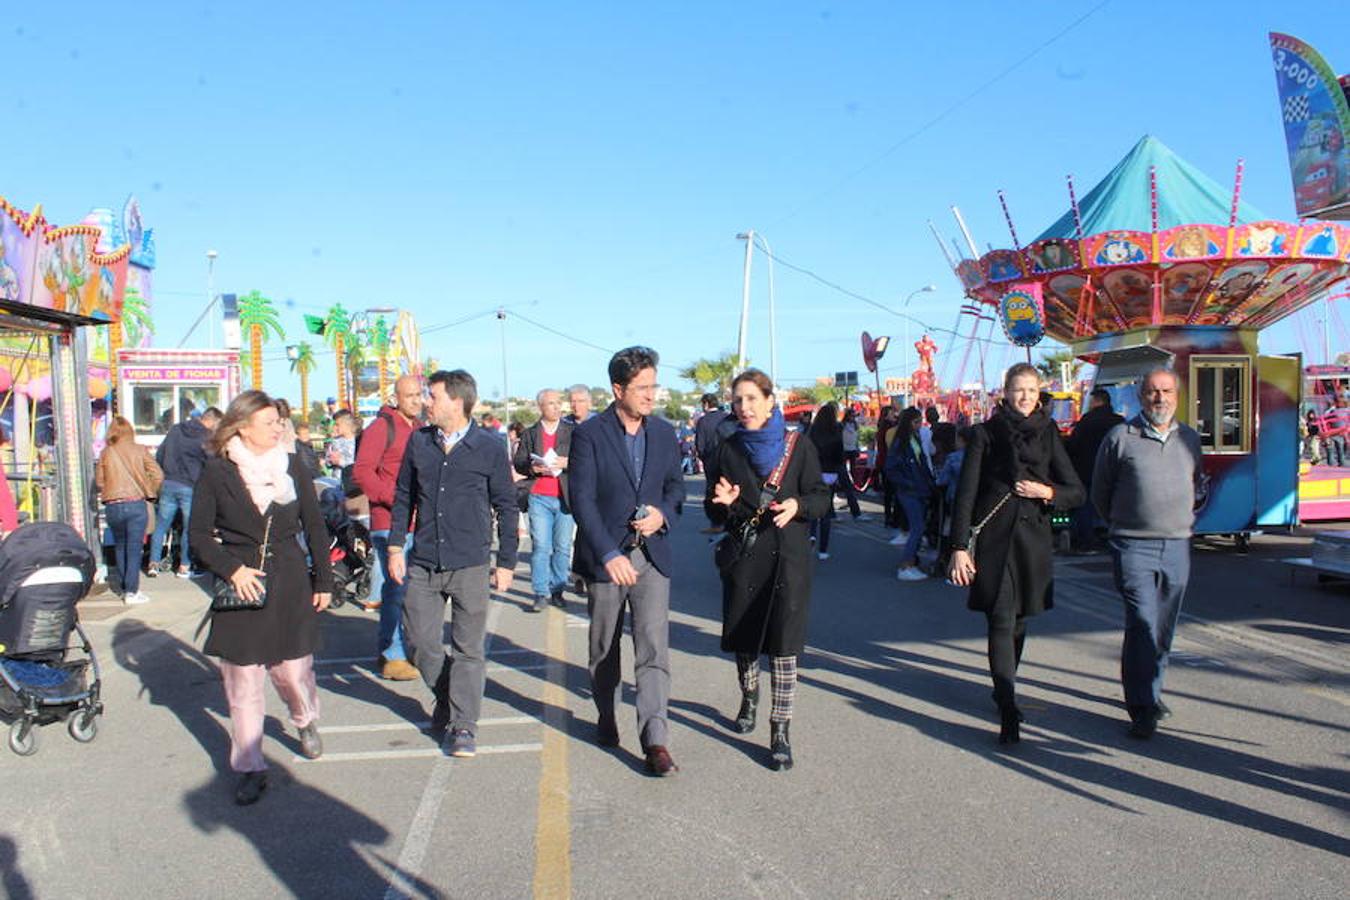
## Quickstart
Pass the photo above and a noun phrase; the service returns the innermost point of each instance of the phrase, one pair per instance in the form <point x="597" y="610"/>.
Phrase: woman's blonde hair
<point x="237" y="414"/>
<point x="1018" y="371"/>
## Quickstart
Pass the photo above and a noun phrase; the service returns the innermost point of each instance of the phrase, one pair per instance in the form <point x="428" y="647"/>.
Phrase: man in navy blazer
<point x="626" y="490"/>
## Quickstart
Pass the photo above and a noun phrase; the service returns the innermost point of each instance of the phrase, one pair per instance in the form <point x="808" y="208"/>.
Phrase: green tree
<point x="258" y="315"/>
<point x="1050" y="364"/>
<point x="304" y="364"/>
<point x="712" y="374"/>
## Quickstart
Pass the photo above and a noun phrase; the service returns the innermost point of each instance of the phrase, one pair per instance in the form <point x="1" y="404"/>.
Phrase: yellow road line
<point x="553" y="831"/>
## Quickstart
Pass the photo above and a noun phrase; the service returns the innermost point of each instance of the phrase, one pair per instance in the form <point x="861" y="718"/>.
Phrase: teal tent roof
<point x="1120" y="201"/>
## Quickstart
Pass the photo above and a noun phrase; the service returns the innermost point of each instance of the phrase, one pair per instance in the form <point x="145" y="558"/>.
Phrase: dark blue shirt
<point x="637" y="448"/>
<point x="454" y="495"/>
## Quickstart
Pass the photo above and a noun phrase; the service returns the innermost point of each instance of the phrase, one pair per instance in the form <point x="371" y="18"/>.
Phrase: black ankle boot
<point x="745" y="717"/>
<point x="780" y="747"/>
<point x="1010" y="731"/>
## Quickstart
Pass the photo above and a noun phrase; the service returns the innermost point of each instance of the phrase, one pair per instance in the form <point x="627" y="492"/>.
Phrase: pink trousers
<point x="294" y="681"/>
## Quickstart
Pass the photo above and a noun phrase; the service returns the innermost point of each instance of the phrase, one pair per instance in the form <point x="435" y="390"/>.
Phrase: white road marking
<point x="421" y="726"/>
<point x="420" y="753"/>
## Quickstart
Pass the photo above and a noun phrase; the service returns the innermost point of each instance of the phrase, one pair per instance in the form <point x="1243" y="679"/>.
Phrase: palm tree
<point x="303" y="364"/>
<point x="337" y="327"/>
<point x="259" y="315"/>
<point x="710" y="373"/>
<point x="429" y="365"/>
<point x="379" y="343"/>
<point x="1051" y="362"/>
<point x="356" y="360"/>
<point x="136" y="321"/>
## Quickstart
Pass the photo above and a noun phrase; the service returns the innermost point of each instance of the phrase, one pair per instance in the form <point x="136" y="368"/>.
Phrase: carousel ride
<point x="1159" y="265"/>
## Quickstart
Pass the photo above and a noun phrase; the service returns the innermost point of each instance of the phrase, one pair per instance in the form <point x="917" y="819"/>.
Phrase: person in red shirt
<point x="542" y="455"/>
<point x="378" y="457"/>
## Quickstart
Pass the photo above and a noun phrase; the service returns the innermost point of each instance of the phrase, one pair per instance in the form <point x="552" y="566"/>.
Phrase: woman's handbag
<point x="224" y="596"/>
<point x="975" y="531"/>
<point x="738" y="543"/>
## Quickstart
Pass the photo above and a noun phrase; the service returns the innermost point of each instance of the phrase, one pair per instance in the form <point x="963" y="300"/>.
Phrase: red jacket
<point x="377" y="462"/>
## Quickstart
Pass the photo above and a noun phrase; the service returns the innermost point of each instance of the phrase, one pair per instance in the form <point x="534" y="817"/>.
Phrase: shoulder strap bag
<point x="224" y="597"/>
<point x="976" y="529"/>
<point x="737" y="543"/>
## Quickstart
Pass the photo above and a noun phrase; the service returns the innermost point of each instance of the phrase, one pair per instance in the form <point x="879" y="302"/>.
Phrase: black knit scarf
<point x="1021" y="442"/>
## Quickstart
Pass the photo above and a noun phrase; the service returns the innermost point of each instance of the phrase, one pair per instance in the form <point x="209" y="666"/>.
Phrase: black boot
<point x="745" y="716"/>
<point x="779" y="746"/>
<point x="1010" y="731"/>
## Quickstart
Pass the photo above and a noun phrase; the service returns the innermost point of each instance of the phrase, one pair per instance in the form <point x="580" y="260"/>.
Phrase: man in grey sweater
<point x="1143" y="486"/>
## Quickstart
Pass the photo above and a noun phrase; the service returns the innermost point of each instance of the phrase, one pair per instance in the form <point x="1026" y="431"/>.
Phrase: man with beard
<point x="1143" y="486"/>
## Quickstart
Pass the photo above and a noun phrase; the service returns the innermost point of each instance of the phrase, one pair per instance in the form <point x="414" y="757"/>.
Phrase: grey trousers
<point x="456" y="678"/>
<point x="650" y="602"/>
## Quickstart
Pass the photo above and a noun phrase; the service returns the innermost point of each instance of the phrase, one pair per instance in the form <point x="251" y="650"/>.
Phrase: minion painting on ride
<point x="1160" y="266"/>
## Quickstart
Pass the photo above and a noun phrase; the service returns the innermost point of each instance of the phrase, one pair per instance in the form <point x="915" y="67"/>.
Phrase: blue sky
<point x="588" y="165"/>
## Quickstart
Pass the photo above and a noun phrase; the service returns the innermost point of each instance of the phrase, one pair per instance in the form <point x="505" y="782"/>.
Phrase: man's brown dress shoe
<point x="659" y="762"/>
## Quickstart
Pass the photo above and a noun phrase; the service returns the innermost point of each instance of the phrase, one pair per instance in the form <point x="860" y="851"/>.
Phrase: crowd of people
<point x="598" y="495"/>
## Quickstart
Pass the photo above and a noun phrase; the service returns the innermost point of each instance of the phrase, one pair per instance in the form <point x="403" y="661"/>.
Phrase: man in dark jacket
<point x="181" y="456"/>
<point x="626" y="488"/>
<point x="379" y="454"/>
<point x="706" y="439"/>
<point x="1082" y="446"/>
<point x="454" y="475"/>
<point x="542" y="455"/>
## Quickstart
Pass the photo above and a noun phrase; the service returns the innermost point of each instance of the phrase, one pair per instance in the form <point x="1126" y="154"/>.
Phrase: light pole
<point x="506" y="392"/>
<point x="904" y="353"/>
<point x="211" y="296"/>
<point x="773" y="326"/>
<point x="749" y="238"/>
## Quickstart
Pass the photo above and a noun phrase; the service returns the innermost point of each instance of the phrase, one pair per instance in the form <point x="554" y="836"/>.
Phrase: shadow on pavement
<point x="11" y="877"/>
<point x="314" y="844"/>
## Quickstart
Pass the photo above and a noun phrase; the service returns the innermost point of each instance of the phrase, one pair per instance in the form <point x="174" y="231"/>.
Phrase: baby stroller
<point x="350" y="551"/>
<point x="45" y="569"/>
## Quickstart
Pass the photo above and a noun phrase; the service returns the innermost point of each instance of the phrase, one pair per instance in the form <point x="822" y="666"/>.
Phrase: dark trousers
<point x="844" y="485"/>
<point x="649" y="600"/>
<point x="820" y="530"/>
<point x="456" y="678"/>
<point x="1335" y="450"/>
<point x="1007" y="635"/>
<point x="1151" y="575"/>
<point x="1085" y="527"/>
<point x="127" y="522"/>
<point x="895" y="516"/>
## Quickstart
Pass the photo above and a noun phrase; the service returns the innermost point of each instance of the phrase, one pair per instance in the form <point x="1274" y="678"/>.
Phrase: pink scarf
<point x="266" y="475"/>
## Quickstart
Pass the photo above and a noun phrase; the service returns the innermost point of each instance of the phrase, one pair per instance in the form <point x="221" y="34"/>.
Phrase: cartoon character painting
<point x="1053" y="255"/>
<point x="1322" y="244"/>
<point x="1022" y="318"/>
<point x="1191" y="243"/>
<point x="1118" y="252"/>
<point x="1267" y="241"/>
<point x="9" y="279"/>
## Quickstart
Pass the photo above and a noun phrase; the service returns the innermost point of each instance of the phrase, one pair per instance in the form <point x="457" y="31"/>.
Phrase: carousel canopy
<point x="1120" y="201"/>
<point x="1194" y="262"/>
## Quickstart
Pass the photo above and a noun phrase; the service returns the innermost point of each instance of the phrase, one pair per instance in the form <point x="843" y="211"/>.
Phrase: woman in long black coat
<point x="252" y="493"/>
<point x="766" y="592"/>
<point x="1015" y="472"/>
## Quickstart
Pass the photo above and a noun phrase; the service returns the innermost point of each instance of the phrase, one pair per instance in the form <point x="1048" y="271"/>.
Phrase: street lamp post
<point x="506" y="391"/>
<point x="211" y="295"/>
<point x="773" y="324"/>
<point x="749" y="238"/>
<point x="904" y="354"/>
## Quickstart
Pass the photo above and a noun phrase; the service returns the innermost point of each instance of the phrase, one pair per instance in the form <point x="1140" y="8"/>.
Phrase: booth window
<point x="152" y="408"/>
<point x="1220" y="393"/>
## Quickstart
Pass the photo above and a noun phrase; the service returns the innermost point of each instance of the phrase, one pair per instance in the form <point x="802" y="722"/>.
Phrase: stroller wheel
<point x="83" y="725"/>
<point x="23" y="738"/>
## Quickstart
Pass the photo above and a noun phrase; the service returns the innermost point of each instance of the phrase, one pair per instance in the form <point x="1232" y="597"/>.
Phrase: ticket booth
<point x="157" y="389"/>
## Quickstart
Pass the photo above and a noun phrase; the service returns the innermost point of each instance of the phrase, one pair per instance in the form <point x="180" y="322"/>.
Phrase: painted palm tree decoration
<point x="379" y="345"/>
<point x="337" y="328"/>
<point x="303" y="364"/>
<point x="136" y="321"/>
<point x="357" y="353"/>
<point x="259" y="316"/>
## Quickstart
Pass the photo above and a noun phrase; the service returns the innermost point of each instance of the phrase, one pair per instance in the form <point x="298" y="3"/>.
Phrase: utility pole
<point x="773" y="320"/>
<point x="749" y="238"/>
<point x="506" y="392"/>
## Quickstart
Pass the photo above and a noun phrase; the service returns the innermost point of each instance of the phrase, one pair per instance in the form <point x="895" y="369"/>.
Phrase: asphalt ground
<point x="900" y="787"/>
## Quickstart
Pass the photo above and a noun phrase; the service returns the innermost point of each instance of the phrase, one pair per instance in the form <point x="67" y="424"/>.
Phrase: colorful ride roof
<point x="1157" y="242"/>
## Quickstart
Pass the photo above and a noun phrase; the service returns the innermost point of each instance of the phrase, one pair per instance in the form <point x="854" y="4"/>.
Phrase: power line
<point x="945" y="113"/>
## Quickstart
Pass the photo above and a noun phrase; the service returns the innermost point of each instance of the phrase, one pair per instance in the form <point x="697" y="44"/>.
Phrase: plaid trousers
<point x="783" y="678"/>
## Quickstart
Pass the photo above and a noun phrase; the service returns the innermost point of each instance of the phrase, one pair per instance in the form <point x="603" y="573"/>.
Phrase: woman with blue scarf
<point x="766" y="568"/>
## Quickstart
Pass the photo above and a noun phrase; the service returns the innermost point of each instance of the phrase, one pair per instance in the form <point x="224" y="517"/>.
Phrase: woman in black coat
<point x="766" y="591"/>
<point x="1015" y="471"/>
<point x="251" y="503"/>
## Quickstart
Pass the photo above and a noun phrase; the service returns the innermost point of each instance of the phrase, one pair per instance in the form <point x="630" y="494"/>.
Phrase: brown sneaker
<point x="659" y="762"/>
<point x="399" y="670"/>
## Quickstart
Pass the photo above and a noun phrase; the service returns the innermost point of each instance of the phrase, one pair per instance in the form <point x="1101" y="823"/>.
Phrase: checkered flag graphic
<point x="1296" y="108"/>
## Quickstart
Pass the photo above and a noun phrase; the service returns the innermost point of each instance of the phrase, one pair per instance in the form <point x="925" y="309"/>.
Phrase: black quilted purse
<point x="224" y="597"/>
